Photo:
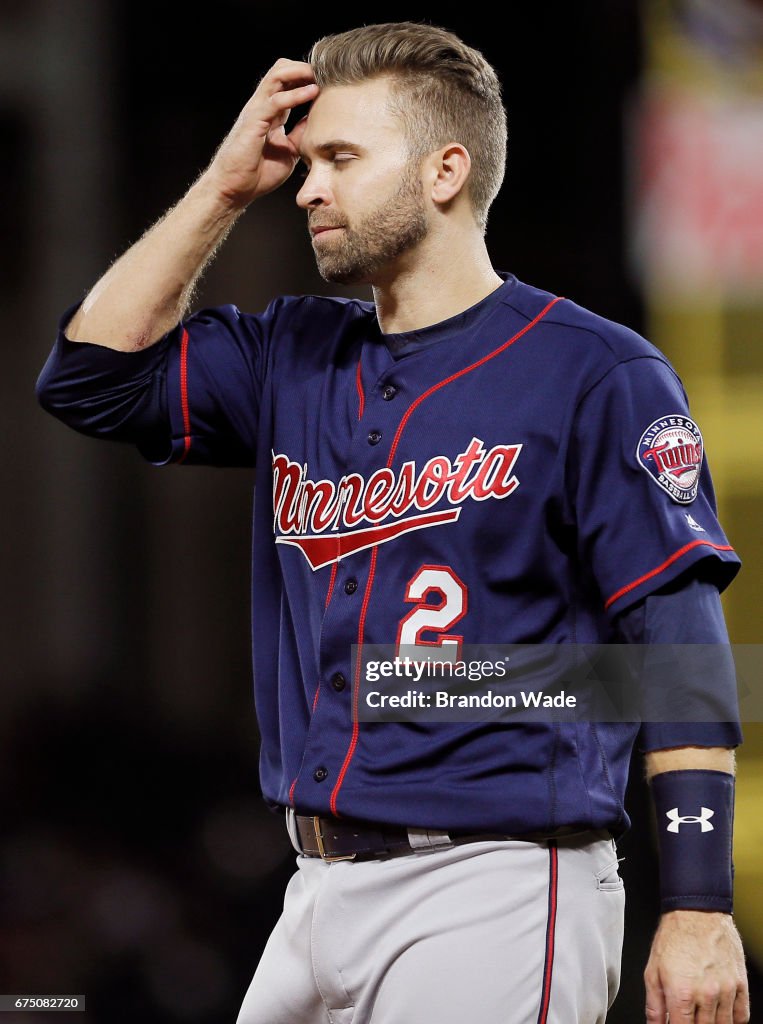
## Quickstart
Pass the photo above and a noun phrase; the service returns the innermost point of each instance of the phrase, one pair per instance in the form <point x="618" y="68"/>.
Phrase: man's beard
<point x="396" y="225"/>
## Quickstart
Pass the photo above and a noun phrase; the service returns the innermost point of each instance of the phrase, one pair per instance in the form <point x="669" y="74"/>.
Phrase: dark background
<point x="138" y="863"/>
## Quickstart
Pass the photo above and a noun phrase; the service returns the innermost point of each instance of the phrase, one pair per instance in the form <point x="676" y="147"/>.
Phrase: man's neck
<point x="432" y="291"/>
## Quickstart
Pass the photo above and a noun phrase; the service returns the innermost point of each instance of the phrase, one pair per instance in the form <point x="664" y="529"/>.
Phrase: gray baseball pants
<point x="503" y="932"/>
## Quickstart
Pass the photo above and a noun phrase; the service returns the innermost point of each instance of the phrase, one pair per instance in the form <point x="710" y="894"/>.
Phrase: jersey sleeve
<point x="686" y="618"/>
<point x="639" y="489"/>
<point x="192" y="397"/>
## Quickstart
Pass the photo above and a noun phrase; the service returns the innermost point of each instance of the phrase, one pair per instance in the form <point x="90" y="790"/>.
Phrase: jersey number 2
<point x="441" y="600"/>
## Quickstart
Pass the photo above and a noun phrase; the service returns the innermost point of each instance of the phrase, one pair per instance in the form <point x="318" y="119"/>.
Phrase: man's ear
<point x="448" y="169"/>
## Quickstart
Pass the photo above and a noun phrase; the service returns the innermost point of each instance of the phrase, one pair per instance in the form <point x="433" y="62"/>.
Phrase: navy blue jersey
<point x="524" y="472"/>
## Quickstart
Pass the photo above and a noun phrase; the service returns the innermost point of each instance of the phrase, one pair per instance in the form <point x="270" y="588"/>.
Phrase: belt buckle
<point x="322" y="848"/>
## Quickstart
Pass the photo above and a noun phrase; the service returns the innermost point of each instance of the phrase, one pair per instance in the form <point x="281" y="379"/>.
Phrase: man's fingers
<point x="725" y="1012"/>
<point x="288" y="65"/>
<point x="681" y="1007"/>
<point x="296" y="133"/>
<point x="287" y="72"/>
<point x="707" y="1002"/>
<point x="274" y="110"/>
<point x="742" y="1006"/>
<point x="655" y="1001"/>
<point x="286" y="84"/>
<point x="294" y="97"/>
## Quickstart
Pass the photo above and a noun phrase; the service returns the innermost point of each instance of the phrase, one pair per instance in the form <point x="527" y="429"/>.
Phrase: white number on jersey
<point x="441" y="600"/>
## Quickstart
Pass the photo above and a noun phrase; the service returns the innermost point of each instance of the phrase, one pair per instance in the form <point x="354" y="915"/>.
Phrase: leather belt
<point x="334" y="839"/>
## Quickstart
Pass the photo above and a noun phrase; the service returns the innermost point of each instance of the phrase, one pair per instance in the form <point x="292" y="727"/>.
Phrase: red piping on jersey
<point x="184" y="395"/>
<point x="355" y="687"/>
<point x="325" y="606"/>
<point x="294" y="783"/>
<point x="661" y="568"/>
<point x="331" y="585"/>
<point x="372" y="571"/>
<point x="466" y="369"/>
<point x="548" y="966"/>
<point x="361" y="396"/>
<point x="318" y="687"/>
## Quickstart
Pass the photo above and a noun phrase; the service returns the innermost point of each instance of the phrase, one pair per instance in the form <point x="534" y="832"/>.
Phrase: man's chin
<point x="343" y="275"/>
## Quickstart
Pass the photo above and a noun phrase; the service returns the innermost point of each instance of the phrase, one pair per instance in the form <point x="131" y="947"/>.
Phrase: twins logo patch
<point x="670" y="450"/>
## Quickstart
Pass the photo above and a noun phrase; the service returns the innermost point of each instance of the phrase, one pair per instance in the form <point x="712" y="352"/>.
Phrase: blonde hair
<point x="442" y="90"/>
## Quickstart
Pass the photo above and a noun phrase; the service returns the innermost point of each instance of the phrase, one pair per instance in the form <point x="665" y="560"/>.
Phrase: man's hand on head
<point x="258" y="154"/>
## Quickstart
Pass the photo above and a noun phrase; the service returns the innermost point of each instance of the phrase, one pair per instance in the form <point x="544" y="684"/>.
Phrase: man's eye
<point x="343" y="158"/>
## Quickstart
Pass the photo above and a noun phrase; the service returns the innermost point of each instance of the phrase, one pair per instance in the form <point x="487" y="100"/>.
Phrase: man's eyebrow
<point x="337" y="144"/>
<point x="332" y="146"/>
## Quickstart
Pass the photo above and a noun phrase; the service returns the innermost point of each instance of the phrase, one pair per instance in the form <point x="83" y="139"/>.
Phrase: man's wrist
<point x="695" y="814"/>
<point x="223" y="202"/>
<point x="682" y="913"/>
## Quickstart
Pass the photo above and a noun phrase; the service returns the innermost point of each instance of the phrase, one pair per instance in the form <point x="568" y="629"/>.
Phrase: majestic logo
<point x="693" y="523"/>
<point x="311" y="514"/>
<point x="670" y="450"/>
<point x="703" y="818"/>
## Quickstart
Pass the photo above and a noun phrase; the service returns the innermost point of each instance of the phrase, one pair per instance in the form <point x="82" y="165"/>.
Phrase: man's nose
<point x="314" y="191"/>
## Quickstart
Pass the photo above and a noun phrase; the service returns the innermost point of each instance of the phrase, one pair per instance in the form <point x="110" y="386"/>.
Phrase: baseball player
<point x="464" y="459"/>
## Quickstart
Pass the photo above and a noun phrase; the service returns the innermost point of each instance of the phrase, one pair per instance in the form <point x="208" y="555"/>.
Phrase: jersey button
<point x="350" y="586"/>
<point x="374" y="437"/>
<point x="320" y="774"/>
<point x="338" y="682"/>
<point x="389" y="392"/>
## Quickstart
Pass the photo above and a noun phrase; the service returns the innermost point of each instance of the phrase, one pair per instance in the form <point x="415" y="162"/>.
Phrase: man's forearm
<point x="147" y="291"/>
<point x="696" y="964"/>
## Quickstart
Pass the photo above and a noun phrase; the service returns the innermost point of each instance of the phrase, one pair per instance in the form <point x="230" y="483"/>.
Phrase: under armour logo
<point x="703" y="818"/>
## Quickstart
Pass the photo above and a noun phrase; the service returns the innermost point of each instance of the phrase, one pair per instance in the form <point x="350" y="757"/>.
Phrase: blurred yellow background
<point x="697" y="242"/>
